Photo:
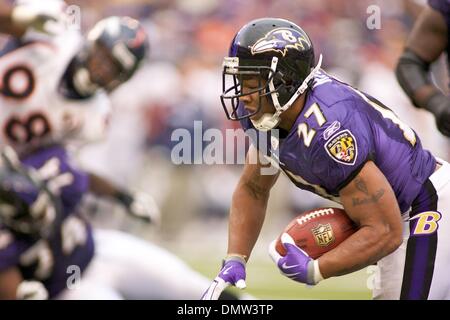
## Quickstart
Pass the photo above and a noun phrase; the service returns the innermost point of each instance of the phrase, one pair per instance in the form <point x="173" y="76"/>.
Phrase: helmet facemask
<point x="273" y="84"/>
<point x="231" y="95"/>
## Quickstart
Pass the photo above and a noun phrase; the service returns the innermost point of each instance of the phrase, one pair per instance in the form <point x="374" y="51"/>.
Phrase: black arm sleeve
<point x="412" y="73"/>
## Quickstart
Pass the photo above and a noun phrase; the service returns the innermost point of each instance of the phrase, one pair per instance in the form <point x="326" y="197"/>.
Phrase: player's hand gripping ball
<point x="318" y="231"/>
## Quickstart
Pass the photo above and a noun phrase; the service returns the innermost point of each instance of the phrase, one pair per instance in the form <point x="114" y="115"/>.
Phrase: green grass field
<point x="265" y="282"/>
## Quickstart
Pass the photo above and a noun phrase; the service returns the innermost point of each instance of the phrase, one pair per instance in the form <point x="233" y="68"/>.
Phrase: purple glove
<point x="232" y="272"/>
<point x="296" y="264"/>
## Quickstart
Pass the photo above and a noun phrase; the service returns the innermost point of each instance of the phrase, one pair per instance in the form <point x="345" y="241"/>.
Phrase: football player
<point x="54" y="92"/>
<point x="55" y="84"/>
<point x="47" y="246"/>
<point x="342" y="144"/>
<point x="28" y="254"/>
<point x="427" y="41"/>
<point x="16" y="214"/>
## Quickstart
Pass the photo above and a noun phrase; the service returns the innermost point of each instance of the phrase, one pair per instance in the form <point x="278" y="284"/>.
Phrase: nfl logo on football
<point x="323" y="234"/>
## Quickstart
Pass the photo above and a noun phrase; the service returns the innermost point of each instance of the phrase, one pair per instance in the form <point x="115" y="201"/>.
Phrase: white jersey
<point x="32" y="111"/>
<point x="125" y="267"/>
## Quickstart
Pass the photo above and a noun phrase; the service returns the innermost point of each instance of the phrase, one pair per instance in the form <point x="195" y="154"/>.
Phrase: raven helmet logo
<point x="342" y="147"/>
<point x="323" y="234"/>
<point x="281" y="40"/>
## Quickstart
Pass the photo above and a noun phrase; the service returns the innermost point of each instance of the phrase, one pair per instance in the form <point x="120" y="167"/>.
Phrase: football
<point x="318" y="231"/>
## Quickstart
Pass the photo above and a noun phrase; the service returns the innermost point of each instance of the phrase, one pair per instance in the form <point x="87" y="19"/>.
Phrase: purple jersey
<point x="54" y="260"/>
<point x="338" y="130"/>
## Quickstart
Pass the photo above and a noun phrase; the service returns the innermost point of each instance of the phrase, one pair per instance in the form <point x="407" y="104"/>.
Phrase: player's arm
<point x="247" y="213"/>
<point x="425" y="44"/>
<point x="138" y="204"/>
<point x="369" y="201"/>
<point x="102" y="187"/>
<point x="413" y="8"/>
<point x="248" y="205"/>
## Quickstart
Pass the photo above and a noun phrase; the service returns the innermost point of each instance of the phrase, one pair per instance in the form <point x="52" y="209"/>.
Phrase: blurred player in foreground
<point x="344" y="145"/>
<point x="54" y="93"/>
<point x="427" y="41"/>
<point x="49" y="251"/>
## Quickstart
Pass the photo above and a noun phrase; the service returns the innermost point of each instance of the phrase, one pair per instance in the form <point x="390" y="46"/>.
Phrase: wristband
<point x="314" y="275"/>
<point x="237" y="257"/>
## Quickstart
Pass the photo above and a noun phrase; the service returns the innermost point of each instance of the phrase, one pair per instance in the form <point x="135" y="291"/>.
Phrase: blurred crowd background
<point x="181" y="83"/>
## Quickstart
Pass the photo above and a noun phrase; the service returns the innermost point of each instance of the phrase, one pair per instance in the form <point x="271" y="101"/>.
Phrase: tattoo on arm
<point x="371" y="199"/>
<point x="255" y="190"/>
<point x="361" y="185"/>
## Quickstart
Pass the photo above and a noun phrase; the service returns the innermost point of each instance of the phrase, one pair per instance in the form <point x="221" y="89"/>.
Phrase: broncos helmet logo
<point x="281" y="40"/>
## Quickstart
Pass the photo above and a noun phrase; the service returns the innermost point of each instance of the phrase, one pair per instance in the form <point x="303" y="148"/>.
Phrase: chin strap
<point x="269" y="121"/>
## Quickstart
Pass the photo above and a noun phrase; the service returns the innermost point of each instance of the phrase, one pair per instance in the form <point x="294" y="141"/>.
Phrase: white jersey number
<point x="303" y="129"/>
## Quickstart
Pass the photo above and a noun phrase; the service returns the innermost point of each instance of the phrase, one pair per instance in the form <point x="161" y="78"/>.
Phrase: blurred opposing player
<point x="427" y="41"/>
<point x="49" y="250"/>
<point x="55" y="83"/>
<point x="341" y="144"/>
<point x="54" y="91"/>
